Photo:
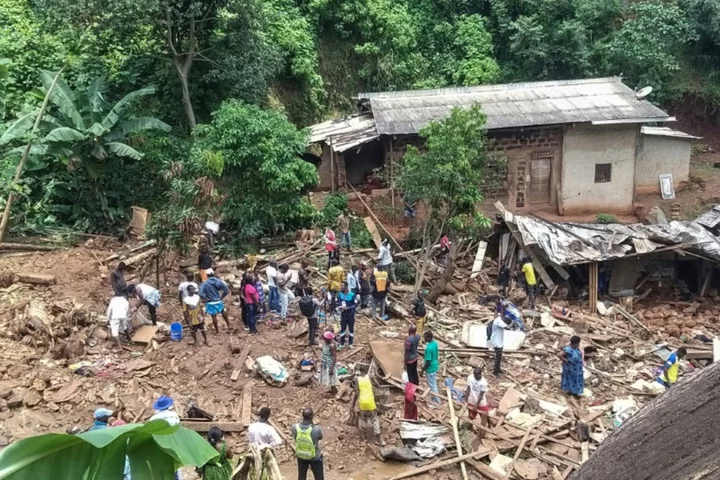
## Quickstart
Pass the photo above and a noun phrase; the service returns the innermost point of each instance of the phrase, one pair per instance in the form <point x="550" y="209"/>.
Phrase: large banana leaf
<point x="123" y="150"/>
<point x="43" y="149"/>
<point x="18" y="128"/>
<point x="113" y="116"/>
<point x="64" y="134"/>
<point x="143" y="123"/>
<point x="155" y="451"/>
<point x="63" y="97"/>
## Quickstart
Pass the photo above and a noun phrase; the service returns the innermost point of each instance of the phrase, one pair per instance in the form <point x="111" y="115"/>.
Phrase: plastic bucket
<point x="176" y="330"/>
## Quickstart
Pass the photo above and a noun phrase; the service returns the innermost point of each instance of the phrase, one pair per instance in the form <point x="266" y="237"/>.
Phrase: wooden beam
<point x="203" y="427"/>
<point x="240" y="364"/>
<point x="479" y="257"/>
<point x="456" y="433"/>
<point x="246" y="415"/>
<point x="593" y="286"/>
<point x="445" y="463"/>
<point x="377" y="220"/>
<point x="372" y="228"/>
<point x="517" y="453"/>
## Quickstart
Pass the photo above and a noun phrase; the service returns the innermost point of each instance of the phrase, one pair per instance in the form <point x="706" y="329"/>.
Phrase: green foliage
<point x="606" y="218"/>
<point x="405" y="272"/>
<point x="335" y="204"/>
<point x="359" y="234"/>
<point x="155" y="450"/>
<point x="648" y="46"/>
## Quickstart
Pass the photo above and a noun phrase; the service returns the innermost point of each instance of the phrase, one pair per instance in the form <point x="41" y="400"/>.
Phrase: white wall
<point x="583" y="147"/>
<point x="660" y="155"/>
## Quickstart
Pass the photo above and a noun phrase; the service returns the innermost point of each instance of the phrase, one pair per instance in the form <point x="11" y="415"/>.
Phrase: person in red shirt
<point x="331" y="244"/>
<point x="252" y="302"/>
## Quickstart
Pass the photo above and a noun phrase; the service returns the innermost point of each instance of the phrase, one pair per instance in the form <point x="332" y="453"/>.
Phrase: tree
<point x="647" y="49"/>
<point x="154" y="450"/>
<point x="445" y="178"/>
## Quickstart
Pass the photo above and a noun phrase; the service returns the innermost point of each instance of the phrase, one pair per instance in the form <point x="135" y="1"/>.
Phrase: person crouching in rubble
<point x="101" y="418"/>
<point x="572" y="368"/>
<point x="368" y="422"/>
<point x="118" y="314"/>
<point x="149" y="296"/>
<point x="505" y="308"/>
<point x="220" y="467"/>
<point x="328" y="367"/>
<point x="671" y="366"/>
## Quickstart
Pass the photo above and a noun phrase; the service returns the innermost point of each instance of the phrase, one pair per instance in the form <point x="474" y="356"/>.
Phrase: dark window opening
<point x="603" y="172"/>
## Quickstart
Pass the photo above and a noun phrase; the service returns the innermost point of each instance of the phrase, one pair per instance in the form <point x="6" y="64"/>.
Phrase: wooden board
<point x="35" y="278"/>
<point x="145" y="334"/>
<point x="372" y="228"/>
<point x="479" y="258"/>
<point x="390" y="356"/>
<point x="203" y="427"/>
<point x="240" y="364"/>
<point x="246" y="416"/>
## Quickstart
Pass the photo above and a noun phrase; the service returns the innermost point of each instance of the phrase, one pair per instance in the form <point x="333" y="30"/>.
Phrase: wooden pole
<point x="593" y="286"/>
<point x="517" y="453"/>
<point x="454" y="423"/>
<point x="157" y="271"/>
<point x="377" y="220"/>
<point x="445" y="463"/>
<point x="332" y="166"/>
<point x="23" y="159"/>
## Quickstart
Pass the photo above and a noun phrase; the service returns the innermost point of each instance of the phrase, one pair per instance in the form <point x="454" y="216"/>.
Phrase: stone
<point x="100" y="334"/>
<point x="14" y="401"/>
<point x="39" y="384"/>
<point x="6" y="392"/>
<point x="31" y="398"/>
<point x="53" y="407"/>
<point x="4" y="442"/>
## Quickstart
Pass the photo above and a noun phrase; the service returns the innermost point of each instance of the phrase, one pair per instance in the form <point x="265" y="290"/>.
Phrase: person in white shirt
<point x="274" y="296"/>
<point x="499" y="325"/>
<point x="164" y="408"/>
<point x="183" y="287"/>
<point x="476" y="397"/>
<point x="262" y="434"/>
<point x="385" y="260"/>
<point x="118" y="313"/>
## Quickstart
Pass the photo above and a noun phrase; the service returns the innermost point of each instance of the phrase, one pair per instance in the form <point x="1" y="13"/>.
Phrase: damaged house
<point x="562" y="147"/>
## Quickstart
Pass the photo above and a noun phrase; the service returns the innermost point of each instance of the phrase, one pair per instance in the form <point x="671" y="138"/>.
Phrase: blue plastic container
<point x="176" y="331"/>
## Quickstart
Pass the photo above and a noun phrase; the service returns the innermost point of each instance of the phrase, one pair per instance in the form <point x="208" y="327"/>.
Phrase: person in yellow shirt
<point x="671" y="366"/>
<point x="336" y="277"/>
<point x="368" y="418"/>
<point x="530" y="281"/>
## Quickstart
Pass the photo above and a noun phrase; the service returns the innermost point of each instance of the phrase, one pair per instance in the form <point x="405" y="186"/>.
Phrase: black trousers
<point x="498" y="359"/>
<point x="312" y="329"/>
<point x="152" y="310"/>
<point x="413" y="373"/>
<point x="315" y="465"/>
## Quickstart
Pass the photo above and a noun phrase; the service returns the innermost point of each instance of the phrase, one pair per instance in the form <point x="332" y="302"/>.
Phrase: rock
<point x="53" y="407"/>
<point x="39" y="384"/>
<point x="4" y="442"/>
<point x="6" y="392"/>
<point x="14" y="401"/>
<point x="31" y="398"/>
<point x="656" y="216"/>
<point x="100" y="334"/>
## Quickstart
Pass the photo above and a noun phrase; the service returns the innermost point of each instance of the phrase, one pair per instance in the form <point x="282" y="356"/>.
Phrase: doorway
<point x="540" y="180"/>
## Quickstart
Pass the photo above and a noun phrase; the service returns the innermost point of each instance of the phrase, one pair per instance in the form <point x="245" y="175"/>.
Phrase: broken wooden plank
<point x="484" y="470"/>
<point x="141" y="256"/>
<point x="240" y="363"/>
<point x="205" y="426"/>
<point x="246" y="416"/>
<point x="517" y="453"/>
<point x="445" y="463"/>
<point x="35" y="278"/>
<point x="377" y="220"/>
<point x="124" y="254"/>
<point x="479" y="258"/>
<point x="630" y="317"/>
<point x="372" y="228"/>
<point x="26" y="247"/>
<point x="456" y="433"/>
<point x="698" y="355"/>
<point x="145" y="334"/>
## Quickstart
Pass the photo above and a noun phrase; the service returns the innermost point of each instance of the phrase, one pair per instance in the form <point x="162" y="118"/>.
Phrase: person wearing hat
<point x="102" y="417"/>
<point x="165" y="410"/>
<point x="213" y="291"/>
<point x="328" y="368"/>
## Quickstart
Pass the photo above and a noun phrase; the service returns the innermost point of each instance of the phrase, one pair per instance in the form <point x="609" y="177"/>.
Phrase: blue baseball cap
<point x="102" y="412"/>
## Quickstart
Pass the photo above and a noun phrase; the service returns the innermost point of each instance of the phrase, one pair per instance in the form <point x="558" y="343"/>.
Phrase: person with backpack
<point x="309" y="307"/>
<point x="307" y="446"/>
<point x="364" y="281"/>
<point x="347" y="303"/>
<point x="379" y="285"/>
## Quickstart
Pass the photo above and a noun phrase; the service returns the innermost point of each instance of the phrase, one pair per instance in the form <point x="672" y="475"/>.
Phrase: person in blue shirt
<point x="347" y="303"/>
<point x="508" y="310"/>
<point x="102" y="417"/>
<point x="213" y="292"/>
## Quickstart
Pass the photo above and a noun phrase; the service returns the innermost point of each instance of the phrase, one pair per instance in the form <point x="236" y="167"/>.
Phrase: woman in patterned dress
<point x="572" y="369"/>
<point x="328" y="368"/>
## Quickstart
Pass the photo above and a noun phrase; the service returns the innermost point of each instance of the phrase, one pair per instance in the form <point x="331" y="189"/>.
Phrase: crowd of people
<point x="331" y="313"/>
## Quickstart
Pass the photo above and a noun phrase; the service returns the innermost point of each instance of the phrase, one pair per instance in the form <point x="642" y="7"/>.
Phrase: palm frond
<point x="114" y="115"/>
<point x="143" y="123"/>
<point x="64" y="134"/>
<point x="43" y="149"/>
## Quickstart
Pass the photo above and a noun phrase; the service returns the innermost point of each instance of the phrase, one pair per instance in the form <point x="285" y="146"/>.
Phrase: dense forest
<point x="194" y="107"/>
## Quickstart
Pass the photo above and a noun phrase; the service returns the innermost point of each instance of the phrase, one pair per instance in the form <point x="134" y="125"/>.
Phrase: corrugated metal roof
<point x="711" y="218"/>
<point x="667" y="132"/>
<point x="346" y="133"/>
<point x="514" y="105"/>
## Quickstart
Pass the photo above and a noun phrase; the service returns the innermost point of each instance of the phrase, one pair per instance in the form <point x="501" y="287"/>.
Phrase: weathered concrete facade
<point x="587" y="151"/>
<point x="659" y="155"/>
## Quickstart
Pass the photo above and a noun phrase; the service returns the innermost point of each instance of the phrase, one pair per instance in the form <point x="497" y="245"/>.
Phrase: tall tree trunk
<point x="26" y="153"/>
<point x="447" y="275"/>
<point x="187" y="102"/>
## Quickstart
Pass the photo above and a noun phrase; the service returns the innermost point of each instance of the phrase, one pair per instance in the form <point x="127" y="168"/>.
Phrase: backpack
<point x="307" y="306"/>
<point x="381" y="282"/>
<point x="304" y="445"/>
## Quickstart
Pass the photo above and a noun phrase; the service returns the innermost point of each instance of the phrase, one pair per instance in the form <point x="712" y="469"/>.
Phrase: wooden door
<point x="540" y="180"/>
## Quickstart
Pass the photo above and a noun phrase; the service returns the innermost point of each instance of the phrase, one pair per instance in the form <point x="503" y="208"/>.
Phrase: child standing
<point x="262" y="308"/>
<point x="194" y="315"/>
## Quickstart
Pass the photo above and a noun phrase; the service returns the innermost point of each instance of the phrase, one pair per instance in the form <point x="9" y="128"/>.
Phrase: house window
<point x="603" y="172"/>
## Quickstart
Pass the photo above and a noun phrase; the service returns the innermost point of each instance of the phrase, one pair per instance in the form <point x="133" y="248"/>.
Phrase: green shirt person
<point x="432" y="364"/>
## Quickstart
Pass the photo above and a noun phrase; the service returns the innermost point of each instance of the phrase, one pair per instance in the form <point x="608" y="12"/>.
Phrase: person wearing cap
<point x="328" y="368"/>
<point x="164" y="408"/>
<point x="213" y="292"/>
<point x="149" y="296"/>
<point x="102" y="417"/>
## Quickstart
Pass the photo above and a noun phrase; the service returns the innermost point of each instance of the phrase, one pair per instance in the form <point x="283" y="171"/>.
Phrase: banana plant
<point x="83" y="127"/>
<point x="154" y="451"/>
